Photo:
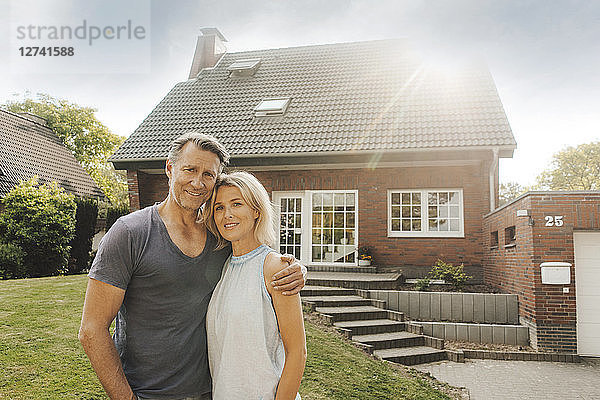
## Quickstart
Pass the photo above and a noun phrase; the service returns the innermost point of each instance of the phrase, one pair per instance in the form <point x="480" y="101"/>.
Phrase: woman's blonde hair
<point x="255" y="195"/>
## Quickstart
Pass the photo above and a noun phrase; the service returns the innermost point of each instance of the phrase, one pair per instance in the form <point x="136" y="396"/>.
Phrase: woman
<point x="256" y="340"/>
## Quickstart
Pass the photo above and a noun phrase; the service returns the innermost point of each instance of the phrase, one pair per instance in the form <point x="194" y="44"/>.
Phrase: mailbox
<point x="556" y="273"/>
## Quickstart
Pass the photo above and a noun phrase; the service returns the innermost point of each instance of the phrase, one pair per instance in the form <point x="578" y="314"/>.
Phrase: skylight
<point x="241" y="65"/>
<point x="272" y="107"/>
<point x="244" y="67"/>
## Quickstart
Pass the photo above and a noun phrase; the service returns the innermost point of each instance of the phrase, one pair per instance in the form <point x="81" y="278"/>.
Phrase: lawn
<point x="41" y="358"/>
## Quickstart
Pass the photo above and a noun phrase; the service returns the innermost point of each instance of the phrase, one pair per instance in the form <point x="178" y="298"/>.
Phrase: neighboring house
<point x="29" y="147"/>
<point x="359" y="144"/>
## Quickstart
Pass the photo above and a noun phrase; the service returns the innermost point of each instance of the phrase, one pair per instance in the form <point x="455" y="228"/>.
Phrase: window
<point x="510" y="236"/>
<point x="494" y="240"/>
<point x="333" y="236"/>
<point x="241" y="65"/>
<point x="271" y="107"/>
<point x="428" y="212"/>
<point x="244" y="67"/>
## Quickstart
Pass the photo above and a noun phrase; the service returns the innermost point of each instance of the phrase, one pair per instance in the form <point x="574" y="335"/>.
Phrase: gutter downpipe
<point x="493" y="169"/>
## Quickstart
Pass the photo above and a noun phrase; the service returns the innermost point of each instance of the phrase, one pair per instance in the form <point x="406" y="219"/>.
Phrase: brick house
<point x="363" y="144"/>
<point x="29" y="147"/>
<point x="359" y="144"/>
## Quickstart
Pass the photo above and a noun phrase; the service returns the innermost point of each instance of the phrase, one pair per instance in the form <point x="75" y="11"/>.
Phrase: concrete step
<point x="355" y="281"/>
<point x="352" y="313"/>
<point x="390" y="340"/>
<point x="339" y="268"/>
<point x="411" y="355"/>
<point x="367" y="327"/>
<point x="342" y="301"/>
<point x="310" y="290"/>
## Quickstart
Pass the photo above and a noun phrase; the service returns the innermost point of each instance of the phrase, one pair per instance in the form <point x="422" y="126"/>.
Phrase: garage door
<point x="587" y="281"/>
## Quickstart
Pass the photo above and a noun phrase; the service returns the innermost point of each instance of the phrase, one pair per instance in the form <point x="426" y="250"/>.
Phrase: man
<point x="155" y="271"/>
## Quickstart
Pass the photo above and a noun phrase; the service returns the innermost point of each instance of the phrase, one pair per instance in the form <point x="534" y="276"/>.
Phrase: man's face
<point x="192" y="177"/>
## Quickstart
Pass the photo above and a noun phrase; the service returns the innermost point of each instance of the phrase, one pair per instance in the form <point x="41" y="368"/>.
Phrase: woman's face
<point x="234" y="218"/>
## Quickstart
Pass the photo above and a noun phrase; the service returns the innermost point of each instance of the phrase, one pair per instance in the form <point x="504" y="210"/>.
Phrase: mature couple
<point x="189" y="292"/>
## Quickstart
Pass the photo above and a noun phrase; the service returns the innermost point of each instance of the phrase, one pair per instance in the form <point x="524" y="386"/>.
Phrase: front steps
<point x="369" y="327"/>
<point x="411" y="355"/>
<point x="378" y="331"/>
<point x="341" y="300"/>
<point x="352" y="280"/>
<point x="339" y="268"/>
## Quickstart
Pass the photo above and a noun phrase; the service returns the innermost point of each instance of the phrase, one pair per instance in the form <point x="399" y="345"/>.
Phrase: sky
<point x="544" y="56"/>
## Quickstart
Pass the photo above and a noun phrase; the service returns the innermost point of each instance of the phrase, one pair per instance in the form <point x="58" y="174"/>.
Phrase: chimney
<point x="209" y="49"/>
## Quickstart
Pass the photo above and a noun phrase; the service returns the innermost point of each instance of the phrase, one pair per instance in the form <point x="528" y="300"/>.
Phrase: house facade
<point x="359" y="144"/>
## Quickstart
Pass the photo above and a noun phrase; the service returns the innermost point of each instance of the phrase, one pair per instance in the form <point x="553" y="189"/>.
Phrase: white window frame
<point x="263" y="109"/>
<point x="244" y="65"/>
<point x="307" y="227"/>
<point x="424" y="214"/>
<point x="309" y="193"/>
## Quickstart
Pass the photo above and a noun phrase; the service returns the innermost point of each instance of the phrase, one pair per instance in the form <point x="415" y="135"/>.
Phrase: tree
<point x="85" y="228"/>
<point x="510" y="191"/>
<point x="574" y="168"/>
<point x="85" y="136"/>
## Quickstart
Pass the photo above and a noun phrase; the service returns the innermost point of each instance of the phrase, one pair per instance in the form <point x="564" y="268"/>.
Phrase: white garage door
<point x="587" y="281"/>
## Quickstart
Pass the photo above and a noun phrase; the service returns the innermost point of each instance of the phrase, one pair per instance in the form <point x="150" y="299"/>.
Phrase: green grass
<point x="41" y="358"/>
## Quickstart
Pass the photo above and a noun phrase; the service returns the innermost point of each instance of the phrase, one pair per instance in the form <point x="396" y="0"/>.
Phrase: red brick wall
<point x="154" y="188"/>
<point x="133" y="190"/>
<point x="511" y="268"/>
<point x="146" y="189"/>
<point x="550" y="312"/>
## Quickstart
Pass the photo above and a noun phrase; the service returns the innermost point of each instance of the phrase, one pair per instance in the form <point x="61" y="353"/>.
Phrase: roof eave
<point x="359" y="156"/>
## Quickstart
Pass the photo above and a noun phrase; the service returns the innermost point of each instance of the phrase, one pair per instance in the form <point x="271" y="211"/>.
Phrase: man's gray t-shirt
<point x="160" y="328"/>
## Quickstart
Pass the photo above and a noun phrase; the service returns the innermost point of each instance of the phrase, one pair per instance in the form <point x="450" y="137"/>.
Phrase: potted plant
<point x="364" y="256"/>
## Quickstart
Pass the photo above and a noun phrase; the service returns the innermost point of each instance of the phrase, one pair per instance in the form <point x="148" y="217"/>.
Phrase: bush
<point x="40" y="220"/>
<point x="423" y="284"/>
<point x="113" y="213"/>
<point x="11" y="261"/>
<point x="451" y="274"/>
<point x="85" y="228"/>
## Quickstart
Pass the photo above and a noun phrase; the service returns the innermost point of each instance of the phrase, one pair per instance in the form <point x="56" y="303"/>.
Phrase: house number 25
<point x="554" y="220"/>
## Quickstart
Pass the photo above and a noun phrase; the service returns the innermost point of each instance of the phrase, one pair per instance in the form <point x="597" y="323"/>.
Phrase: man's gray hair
<point x="203" y="142"/>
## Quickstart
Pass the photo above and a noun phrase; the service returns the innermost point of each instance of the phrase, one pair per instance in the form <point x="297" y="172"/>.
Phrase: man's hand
<point x="291" y="279"/>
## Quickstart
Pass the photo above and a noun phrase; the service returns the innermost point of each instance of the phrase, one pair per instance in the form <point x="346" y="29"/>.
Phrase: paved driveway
<point x="492" y="379"/>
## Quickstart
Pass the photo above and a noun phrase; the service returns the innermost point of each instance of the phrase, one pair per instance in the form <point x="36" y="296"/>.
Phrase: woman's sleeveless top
<point x="245" y="351"/>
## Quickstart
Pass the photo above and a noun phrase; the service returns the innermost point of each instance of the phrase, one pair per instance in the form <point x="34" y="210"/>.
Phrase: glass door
<point x="290" y="226"/>
<point x="333" y="227"/>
